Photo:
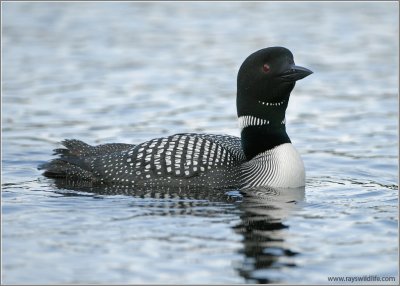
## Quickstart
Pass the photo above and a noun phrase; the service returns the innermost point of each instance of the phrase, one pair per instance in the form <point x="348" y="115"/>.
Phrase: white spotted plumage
<point x="183" y="157"/>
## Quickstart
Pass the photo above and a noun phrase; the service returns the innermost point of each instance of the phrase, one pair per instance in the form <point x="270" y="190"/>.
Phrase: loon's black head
<point x="267" y="77"/>
<point x="264" y="83"/>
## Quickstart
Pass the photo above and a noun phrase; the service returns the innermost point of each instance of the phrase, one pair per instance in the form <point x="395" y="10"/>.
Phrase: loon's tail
<point x="75" y="160"/>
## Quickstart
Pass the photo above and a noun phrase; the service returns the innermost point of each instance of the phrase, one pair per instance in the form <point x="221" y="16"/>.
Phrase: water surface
<point x="129" y="72"/>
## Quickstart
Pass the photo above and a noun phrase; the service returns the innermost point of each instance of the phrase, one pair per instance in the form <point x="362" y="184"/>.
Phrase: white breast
<point x="280" y="167"/>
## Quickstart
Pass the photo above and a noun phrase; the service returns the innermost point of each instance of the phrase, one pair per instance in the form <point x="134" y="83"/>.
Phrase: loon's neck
<point x="260" y="138"/>
<point x="262" y="124"/>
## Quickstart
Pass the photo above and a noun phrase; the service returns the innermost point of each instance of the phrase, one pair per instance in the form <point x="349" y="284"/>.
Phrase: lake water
<point x="128" y="72"/>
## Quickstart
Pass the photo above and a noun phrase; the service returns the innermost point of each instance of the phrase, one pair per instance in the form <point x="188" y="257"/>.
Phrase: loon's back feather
<point x="72" y="162"/>
<point x="172" y="160"/>
<point x="79" y="148"/>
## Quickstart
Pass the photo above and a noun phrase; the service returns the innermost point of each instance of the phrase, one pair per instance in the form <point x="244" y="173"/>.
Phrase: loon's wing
<point x="174" y="159"/>
<point x="179" y="156"/>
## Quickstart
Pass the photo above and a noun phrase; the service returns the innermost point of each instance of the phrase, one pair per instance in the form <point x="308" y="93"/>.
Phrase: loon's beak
<point x="295" y="73"/>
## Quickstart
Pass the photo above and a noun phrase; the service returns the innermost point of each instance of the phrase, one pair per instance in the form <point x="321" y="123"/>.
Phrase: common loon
<point x="263" y="156"/>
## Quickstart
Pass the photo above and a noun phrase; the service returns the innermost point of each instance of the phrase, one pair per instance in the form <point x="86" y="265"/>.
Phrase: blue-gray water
<point x="128" y="72"/>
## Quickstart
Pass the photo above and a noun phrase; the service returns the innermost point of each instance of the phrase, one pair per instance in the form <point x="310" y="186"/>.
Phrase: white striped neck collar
<point x="248" y="120"/>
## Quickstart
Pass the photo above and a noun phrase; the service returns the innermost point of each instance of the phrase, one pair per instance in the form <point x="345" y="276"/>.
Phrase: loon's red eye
<point x="266" y="68"/>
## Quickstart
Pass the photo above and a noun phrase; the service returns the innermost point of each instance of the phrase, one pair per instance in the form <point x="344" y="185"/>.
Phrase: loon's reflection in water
<point x="262" y="213"/>
<point x="262" y="224"/>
